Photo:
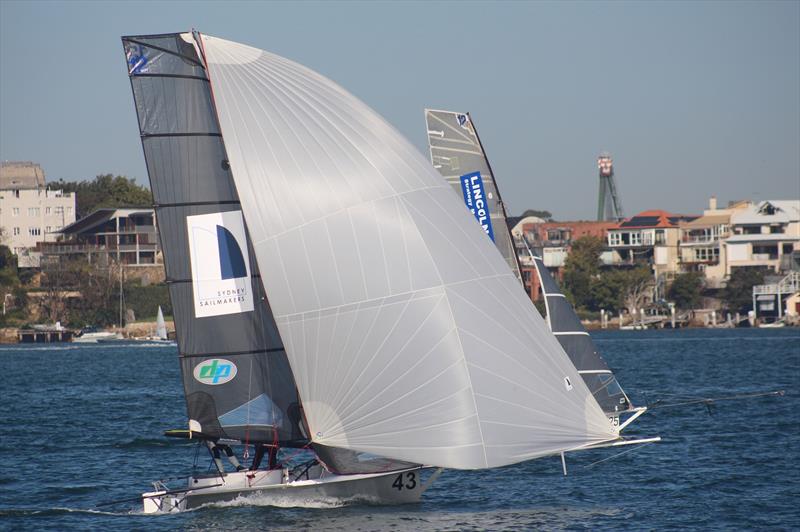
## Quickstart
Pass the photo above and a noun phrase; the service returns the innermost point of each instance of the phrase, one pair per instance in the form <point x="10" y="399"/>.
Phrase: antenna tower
<point x="609" y="206"/>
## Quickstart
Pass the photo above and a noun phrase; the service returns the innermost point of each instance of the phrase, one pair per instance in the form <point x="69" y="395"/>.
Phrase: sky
<point x="692" y="99"/>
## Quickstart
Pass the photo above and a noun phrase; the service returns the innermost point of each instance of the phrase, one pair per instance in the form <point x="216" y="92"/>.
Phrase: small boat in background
<point x="160" y="334"/>
<point x="90" y="335"/>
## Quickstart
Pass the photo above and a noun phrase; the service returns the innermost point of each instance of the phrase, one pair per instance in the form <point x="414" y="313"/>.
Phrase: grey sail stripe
<point x="595" y="371"/>
<point x="234" y="354"/>
<point x="161" y="135"/>
<point x="173" y="76"/>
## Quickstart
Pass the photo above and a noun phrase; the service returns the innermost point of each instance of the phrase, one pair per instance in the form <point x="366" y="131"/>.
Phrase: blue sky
<point x="692" y="99"/>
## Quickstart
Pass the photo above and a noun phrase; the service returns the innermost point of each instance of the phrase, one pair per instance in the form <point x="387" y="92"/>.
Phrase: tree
<point x="686" y="289"/>
<point x="638" y="287"/>
<point x="106" y="191"/>
<point x="544" y="215"/>
<point x="738" y="292"/>
<point x="615" y="289"/>
<point x="581" y="268"/>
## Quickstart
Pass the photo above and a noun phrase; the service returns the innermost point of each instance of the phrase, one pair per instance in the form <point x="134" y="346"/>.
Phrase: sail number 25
<point x="409" y="482"/>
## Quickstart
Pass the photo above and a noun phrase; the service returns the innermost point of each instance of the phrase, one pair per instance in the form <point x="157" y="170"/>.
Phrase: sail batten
<point x="372" y="265"/>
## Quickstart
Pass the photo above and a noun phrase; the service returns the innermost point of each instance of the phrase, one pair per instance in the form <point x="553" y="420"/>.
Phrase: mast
<point x="405" y="328"/>
<point x="236" y="378"/>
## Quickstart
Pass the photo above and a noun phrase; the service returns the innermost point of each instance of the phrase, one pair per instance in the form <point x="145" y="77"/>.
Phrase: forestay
<point x="580" y="347"/>
<point x="406" y="330"/>
<point x="457" y="152"/>
<point x="236" y="376"/>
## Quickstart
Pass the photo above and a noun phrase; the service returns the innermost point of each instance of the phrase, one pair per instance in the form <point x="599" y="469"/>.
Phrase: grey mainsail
<point x="580" y="347"/>
<point x="236" y="376"/>
<point x="458" y="155"/>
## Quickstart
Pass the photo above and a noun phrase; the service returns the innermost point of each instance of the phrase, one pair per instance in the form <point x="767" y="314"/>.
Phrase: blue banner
<point x="475" y="198"/>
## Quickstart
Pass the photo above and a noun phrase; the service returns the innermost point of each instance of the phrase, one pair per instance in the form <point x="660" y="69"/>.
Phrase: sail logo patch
<point x="464" y="122"/>
<point x="220" y="264"/>
<point x="215" y="371"/>
<point x="475" y="199"/>
<point x="137" y="61"/>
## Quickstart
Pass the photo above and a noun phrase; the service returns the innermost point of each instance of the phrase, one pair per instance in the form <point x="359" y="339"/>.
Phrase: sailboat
<point x="160" y="333"/>
<point x="457" y="153"/>
<point x="330" y="293"/>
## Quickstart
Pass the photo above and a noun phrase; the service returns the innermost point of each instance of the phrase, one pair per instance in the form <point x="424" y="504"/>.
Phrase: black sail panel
<point x="236" y="375"/>
<point x="578" y="345"/>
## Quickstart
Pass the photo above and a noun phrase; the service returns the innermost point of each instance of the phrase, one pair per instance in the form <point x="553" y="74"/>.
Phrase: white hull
<point x="276" y="488"/>
<point x="93" y="338"/>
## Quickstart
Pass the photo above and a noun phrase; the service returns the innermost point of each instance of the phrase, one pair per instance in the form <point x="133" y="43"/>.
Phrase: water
<point x="82" y="425"/>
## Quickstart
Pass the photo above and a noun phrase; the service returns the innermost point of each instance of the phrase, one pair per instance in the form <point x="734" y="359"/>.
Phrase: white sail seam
<point x="472" y="388"/>
<point x="442" y="285"/>
<point x="417" y="363"/>
<point x="343" y="407"/>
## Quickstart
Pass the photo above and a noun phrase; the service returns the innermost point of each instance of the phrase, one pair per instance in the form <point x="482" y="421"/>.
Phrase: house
<point x="764" y="234"/>
<point x="650" y="237"/>
<point x="124" y="235"/>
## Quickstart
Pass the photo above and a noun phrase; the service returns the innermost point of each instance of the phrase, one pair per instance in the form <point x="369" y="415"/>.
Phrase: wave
<point x="47" y="512"/>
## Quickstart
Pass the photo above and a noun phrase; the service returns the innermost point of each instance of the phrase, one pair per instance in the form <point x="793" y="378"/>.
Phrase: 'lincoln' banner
<point x="475" y="198"/>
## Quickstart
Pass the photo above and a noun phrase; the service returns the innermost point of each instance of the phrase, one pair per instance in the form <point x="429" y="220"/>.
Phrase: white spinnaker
<point x="407" y="333"/>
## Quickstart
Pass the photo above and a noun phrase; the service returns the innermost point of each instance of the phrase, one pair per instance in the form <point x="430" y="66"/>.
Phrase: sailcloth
<point x="580" y="347"/>
<point x="457" y="152"/>
<point x="236" y="377"/>
<point x="405" y="329"/>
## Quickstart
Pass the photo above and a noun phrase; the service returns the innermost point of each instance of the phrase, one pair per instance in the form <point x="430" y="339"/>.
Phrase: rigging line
<point x="710" y="400"/>
<point x="640" y="447"/>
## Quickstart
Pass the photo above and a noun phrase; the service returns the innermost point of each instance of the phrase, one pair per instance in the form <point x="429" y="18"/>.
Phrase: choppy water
<point x="81" y="425"/>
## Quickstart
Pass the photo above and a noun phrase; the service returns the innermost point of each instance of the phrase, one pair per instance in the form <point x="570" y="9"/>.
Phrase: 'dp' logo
<point x="215" y="371"/>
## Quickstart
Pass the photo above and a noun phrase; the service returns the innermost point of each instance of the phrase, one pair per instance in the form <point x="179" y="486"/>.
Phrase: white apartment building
<point x="29" y="211"/>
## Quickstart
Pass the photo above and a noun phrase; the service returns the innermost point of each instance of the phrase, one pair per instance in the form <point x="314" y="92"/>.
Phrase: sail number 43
<point x="406" y="480"/>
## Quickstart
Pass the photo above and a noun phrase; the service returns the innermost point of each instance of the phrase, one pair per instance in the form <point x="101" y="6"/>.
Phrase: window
<point x="48" y="229"/>
<point x="34" y="231"/>
<point x="636" y="239"/>
<point x="59" y="211"/>
<point x="614" y="239"/>
<point x="69" y="211"/>
<point x="16" y="193"/>
<point x="47" y="211"/>
<point x="15" y="211"/>
<point x="706" y="254"/>
<point x="33" y="211"/>
<point x="15" y="232"/>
